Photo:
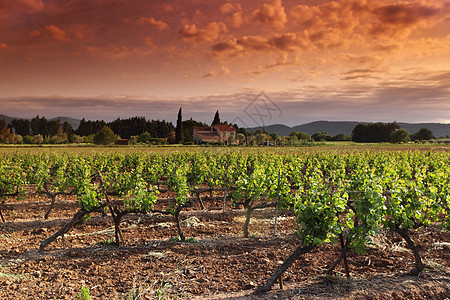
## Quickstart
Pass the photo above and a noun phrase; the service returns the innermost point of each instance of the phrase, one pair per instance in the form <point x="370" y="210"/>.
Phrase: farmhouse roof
<point x="224" y="127"/>
<point x="202" y="128"/>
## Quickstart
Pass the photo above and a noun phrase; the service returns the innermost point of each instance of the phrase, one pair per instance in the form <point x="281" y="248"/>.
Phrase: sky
<point x="257" y="62"/>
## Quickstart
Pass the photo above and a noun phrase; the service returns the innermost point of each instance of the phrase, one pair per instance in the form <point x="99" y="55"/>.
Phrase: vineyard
<point x="147" y="226"/>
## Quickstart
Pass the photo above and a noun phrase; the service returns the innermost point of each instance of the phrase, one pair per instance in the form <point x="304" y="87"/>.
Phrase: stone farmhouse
<point x="219" y="133"/>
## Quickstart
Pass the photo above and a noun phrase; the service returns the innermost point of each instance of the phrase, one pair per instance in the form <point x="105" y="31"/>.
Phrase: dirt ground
<point x="217" y="263"/>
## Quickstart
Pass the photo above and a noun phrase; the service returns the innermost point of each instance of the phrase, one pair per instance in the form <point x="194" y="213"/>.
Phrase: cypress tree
<point x="179" y="130"/>
<point x="216" y="119"/>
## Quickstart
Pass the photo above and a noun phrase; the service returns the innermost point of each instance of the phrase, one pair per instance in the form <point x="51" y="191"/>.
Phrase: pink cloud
<point x="227" y="8"/>
<point x="3" y="46"/>
<point x="291" y="41"/>
<point x="272" y="14"/>
<point x="254" y="42"/>
<point x="242" y="45"/>
<point x="235" y="18"/>
<point x="57" y="33"/>
<point x="208" y="33"/>
<point x="160" y="25"/>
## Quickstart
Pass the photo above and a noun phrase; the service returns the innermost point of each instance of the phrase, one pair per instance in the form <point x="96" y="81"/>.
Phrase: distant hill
<point x="6" y="118"/>
<point x="72" y="121"/>
<point x="346" y="127"/>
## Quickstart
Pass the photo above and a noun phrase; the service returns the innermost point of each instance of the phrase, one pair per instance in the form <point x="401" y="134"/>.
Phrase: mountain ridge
<point x="346" y="127"/>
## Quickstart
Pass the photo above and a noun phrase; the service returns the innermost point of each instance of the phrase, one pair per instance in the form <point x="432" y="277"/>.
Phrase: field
<point x="216" y="261"/>
<point x="324" y="147"/>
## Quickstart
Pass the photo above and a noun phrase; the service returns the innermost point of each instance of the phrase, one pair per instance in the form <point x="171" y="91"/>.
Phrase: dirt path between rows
<point x="219" y="263"/>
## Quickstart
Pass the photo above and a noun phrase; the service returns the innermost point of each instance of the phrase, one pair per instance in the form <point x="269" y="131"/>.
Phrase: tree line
<point x="40" y="130"/>
<point x="387" y="132"/>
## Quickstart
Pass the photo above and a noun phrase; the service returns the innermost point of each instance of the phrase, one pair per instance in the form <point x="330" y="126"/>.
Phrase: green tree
<point x="28" y="139"/>
<point x="105" y="136"/>
<point x="144" y="137"/>
<point x="60" y="137"/>
<point x="67" y="128"/>
<point x="240" y="138"/>
<point x="303" y="136"/>
<point x="76" y="139"/>
<point x="399" y="136"/>
<point x="216" y="119"/>
<point x="422" y="135"/>
<point x="260" y="138"/>
<point x="240" y="130"/>
<point x="321" y="136"/>
<point x="188" y="129"/>
<point x="21" y="126"/>
<point x="275" y="136"/>
<point x="179" y="130"/>
<point x="373" y="132"/>
<point x="18" y="139"/>
<point x="342" y="137"/>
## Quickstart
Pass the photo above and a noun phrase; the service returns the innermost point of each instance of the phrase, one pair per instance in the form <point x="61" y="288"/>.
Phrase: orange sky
<point x="377" y="60"/>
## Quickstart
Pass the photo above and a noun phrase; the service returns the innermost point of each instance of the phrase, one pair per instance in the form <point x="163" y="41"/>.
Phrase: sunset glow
<point x="356" y="60"/>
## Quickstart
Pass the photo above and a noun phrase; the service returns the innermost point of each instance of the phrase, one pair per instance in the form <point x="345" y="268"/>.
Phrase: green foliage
<point x="373" y="132"/>
<point x="105" y="136"/>
<point x="27" y="139"/>
<point x="144" y="137"/>
<point x="84" y="294"/>
<point x="274" y="136"/>
<point x="321" y="136"/>
<point x="399" y="136"/>
<point x="109" y="241"/>
<point x="422" y="135"/>
<point x="350" y="195"/>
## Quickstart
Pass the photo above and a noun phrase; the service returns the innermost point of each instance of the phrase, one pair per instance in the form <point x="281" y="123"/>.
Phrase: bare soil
<point x="218" y="263"/>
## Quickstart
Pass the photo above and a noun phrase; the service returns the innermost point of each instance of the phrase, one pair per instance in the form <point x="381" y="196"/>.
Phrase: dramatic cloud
<point x="352" y="57"/>
<point x="272" y="14"/>
<point x="399" y="20"/>
<point x="235" y="14"/>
